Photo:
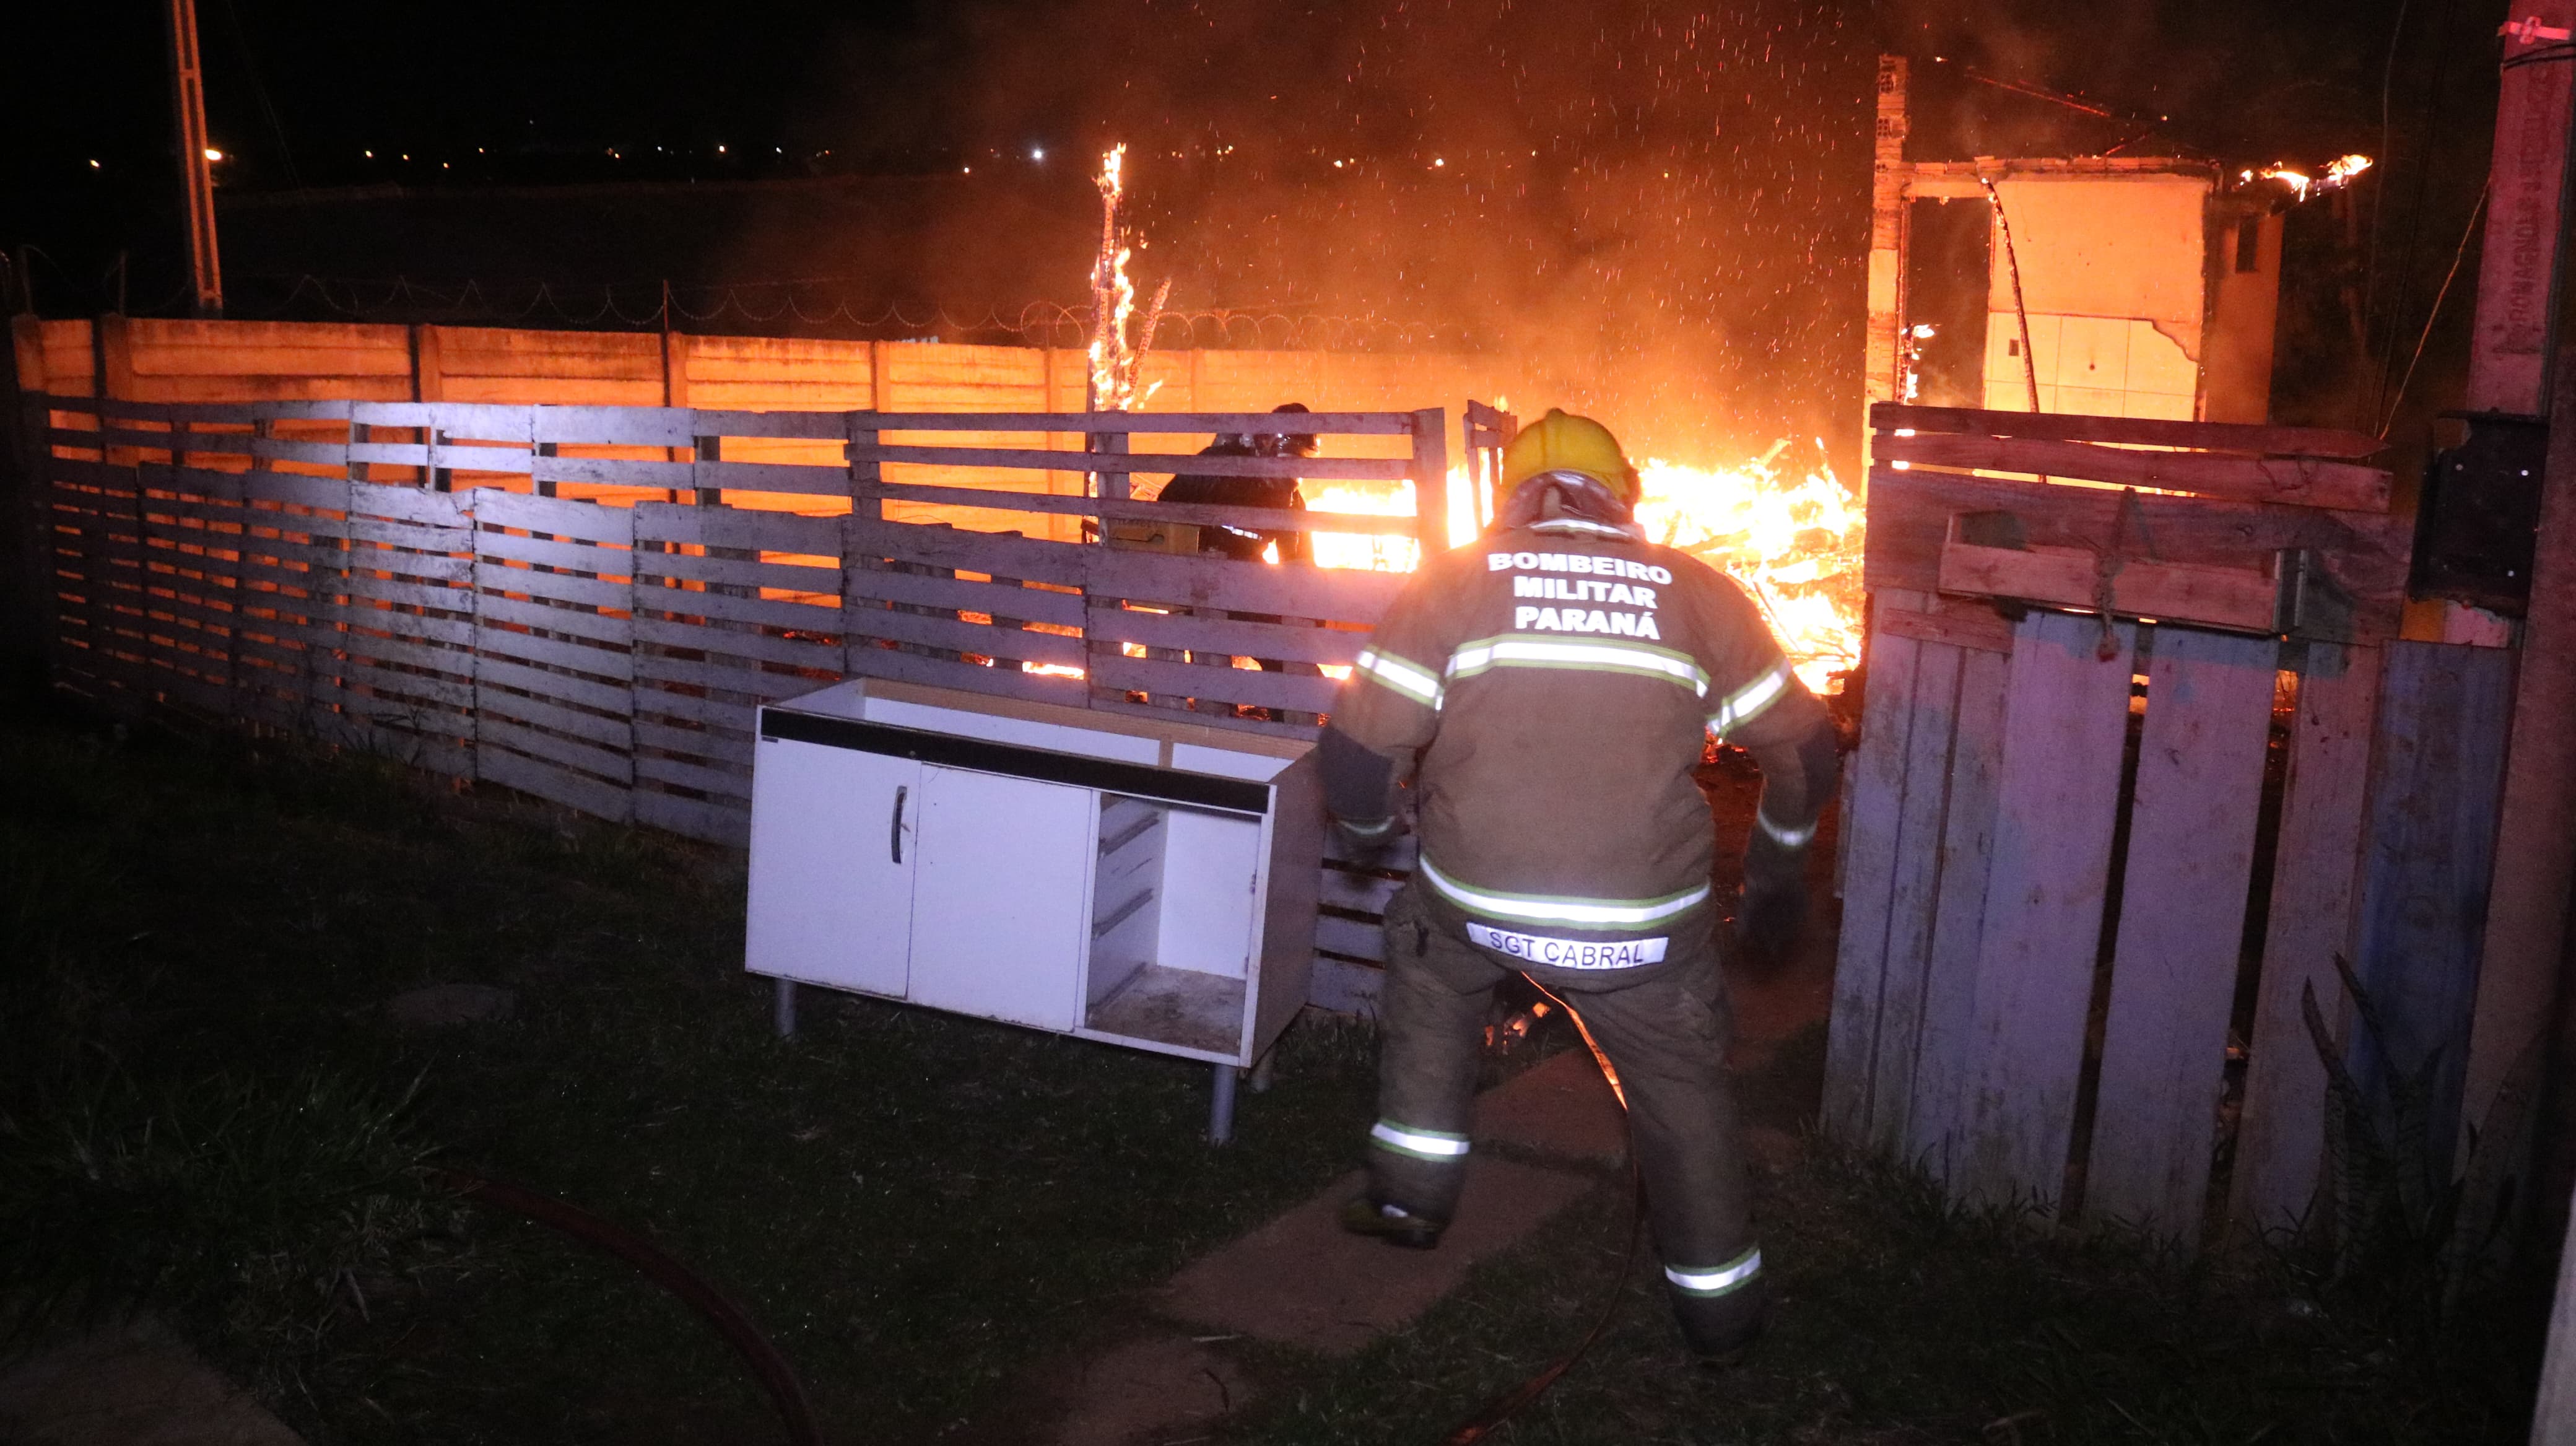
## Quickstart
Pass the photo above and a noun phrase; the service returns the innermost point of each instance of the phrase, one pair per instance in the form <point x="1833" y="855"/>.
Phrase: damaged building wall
<point x="2113" y="277"/>
<point x="2148" y="290"/>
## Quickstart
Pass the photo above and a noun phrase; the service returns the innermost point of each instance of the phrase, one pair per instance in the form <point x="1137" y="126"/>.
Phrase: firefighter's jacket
<point x="1557" y="683"/>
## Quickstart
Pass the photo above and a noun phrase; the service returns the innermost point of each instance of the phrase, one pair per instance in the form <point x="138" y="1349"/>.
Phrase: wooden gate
<point x="2075" y="938"/>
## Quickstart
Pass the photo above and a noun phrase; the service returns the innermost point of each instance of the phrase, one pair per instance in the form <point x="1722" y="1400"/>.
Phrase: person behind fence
<point x="1247" y="544"/>
<point x="1549" y="689"/>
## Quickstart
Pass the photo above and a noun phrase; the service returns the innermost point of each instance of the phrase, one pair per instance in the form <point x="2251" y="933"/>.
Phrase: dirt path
<point x="1547" y="1138"/>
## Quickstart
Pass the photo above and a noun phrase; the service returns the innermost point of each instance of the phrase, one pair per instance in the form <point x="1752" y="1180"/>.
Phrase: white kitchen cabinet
<point x="1123" y="878"/>
<point x="831" y="886"/>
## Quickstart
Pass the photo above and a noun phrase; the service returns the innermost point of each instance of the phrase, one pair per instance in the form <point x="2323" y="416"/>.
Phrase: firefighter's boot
<point x="1393" y="1224"/>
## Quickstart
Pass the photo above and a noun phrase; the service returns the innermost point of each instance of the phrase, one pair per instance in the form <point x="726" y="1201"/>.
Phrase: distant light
<point x="1037" y="153"/>
<point x="371" y="155"/>
<point x="720" y="150"/>
<point x="969" y="170"/>
<point x="1336" y="165"/>
<point x="213" y="155"/>
<point x="1435" y="160"/>
<point x="94" y="165"/>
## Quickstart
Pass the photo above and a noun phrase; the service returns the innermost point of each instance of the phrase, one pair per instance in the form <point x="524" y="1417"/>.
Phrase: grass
<point x="917" y="1208"/>
<point x="1901" y="1319"/>
<point x="912" y="1205"/>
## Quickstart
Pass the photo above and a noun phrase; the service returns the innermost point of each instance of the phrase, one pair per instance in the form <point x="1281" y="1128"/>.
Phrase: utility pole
<point x="2521" y="988"/>
<point x="196" y="167"/>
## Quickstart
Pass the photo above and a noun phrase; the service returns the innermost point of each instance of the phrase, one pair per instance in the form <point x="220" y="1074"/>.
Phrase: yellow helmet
<point x="1563" y="442"/>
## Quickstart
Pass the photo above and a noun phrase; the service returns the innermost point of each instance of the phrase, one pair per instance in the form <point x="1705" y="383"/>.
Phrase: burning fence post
<point x="1117" y="355"/>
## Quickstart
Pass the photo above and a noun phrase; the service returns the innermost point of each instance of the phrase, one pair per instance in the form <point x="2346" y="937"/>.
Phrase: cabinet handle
<point x="894" y="834"/>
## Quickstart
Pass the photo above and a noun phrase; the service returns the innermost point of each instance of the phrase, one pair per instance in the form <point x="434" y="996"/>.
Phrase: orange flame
<point x="1795" y="545"/>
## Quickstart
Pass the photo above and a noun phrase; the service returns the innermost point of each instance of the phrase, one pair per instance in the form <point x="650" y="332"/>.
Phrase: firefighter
<point x="1245" y="544"/>
<point x="1549" y="690"/>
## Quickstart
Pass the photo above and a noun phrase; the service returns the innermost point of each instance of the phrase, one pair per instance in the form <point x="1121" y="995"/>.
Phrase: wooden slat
<point x="703" y="820"/>
<point x="873" y="662"/>
<point x="732" y="571"/>
<point x="2064" y="731"/>
<point x="2280" y="1132"/>
<point x="2225" y="597"/>
<point x="1913" y="893"/>
<point x="738" y="527"/>
<point x="1362" y="893"/>
<point x="687" y="773"/>
<point x="1350" y="938"/>
<point x="1945" y="1052"/>
<point x="2182" y="927"/>
<point x="2268" y="441"/>
<point x="619" y="426"/>
<point x="1962" y="624"/>
<point x="576" y="622"/>
<point x="1339" y="594"/>
<point x="499" y="670"/>
<point x="719" y="422"/>
<point x="1007" y="600"/>
<point x="590" y="593"/>
<point x="730" y="681"/>
<point x="2294" y="481"/>
<point x="674" y="606"/>
<point x="570" y="556"/>
<point x="1267" y="519"/>
<point x="1374" y="424"/>
<point x="1869" y="830"/>
<point x="586" y="521"/>
<point x="706" y="744"/>
<point x="1108" y="626"/>
<point x="494" y="728"/>
<point x="1225" y="685"/>
<point x="1319" y="469"/>
<point x="554" y="784"/>
<point x="2437" y="766"/>
<point x="801" y="479"/>
<point x="1343" y="987"/>
<point x="934" y="632"/>
<point x="791" y="652"/>
<point x="2364" y="555"/>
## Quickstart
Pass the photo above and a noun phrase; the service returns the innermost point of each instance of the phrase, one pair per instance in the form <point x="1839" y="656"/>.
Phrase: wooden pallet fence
<point x="2014" y="1010"/>
<point x="566" y="600"/>
<point x="733" y="608"/>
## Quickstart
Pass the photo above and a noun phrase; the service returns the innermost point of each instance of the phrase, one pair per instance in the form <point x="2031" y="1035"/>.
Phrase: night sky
<point x="1678" y="188"/>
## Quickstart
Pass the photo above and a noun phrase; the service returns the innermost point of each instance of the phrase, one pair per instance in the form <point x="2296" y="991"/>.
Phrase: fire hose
<point x="767" y="1365"/>
<point x="1509" y="1404"/>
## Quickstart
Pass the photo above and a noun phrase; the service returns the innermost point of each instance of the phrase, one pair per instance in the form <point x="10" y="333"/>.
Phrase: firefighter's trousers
<point x="1666" y="1037"/>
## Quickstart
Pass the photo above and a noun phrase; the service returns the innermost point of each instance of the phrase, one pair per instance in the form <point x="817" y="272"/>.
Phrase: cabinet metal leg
<point x="1221" y="1105"/>
<point x="783" y="1008"/>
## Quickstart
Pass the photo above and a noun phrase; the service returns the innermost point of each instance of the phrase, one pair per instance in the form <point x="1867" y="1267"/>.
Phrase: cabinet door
<point x="1001" y="910"/>
<point x="832" y="862"/>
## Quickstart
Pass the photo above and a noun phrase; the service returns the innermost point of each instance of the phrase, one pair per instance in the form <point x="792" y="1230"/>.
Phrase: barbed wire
<point x="806" y="306"/>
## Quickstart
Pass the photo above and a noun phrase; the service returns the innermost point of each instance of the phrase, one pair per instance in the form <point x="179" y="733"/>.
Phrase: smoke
<point x="1658" y="213"/>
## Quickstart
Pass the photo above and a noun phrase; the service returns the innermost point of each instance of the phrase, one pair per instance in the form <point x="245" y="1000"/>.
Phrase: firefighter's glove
<point x="1774" y="911"/>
